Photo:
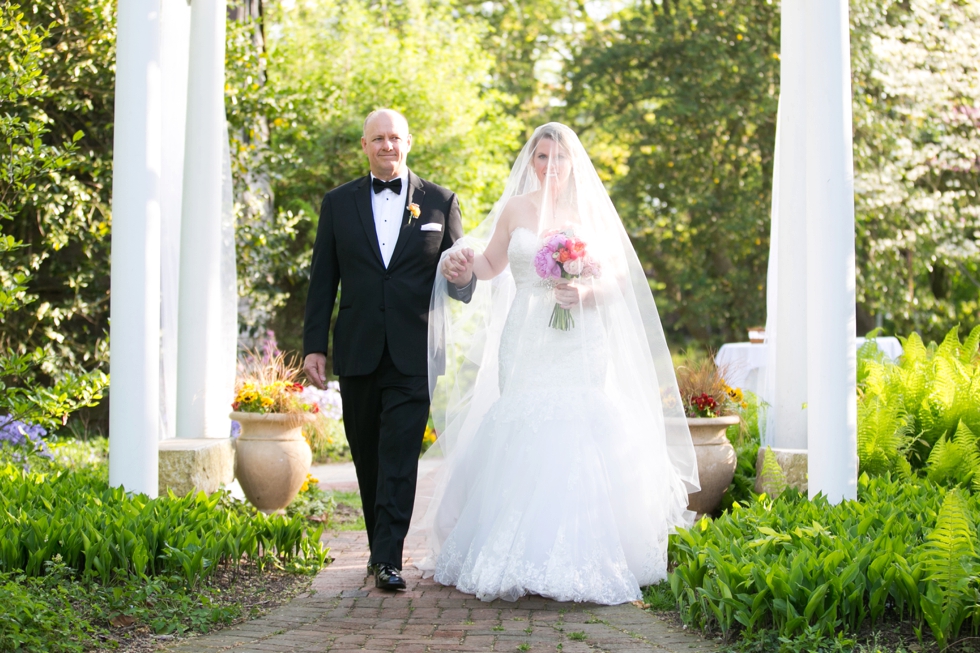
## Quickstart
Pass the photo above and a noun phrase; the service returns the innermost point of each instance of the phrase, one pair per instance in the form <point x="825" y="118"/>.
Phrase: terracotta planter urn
<point x="272" y="458"/>
<point x="716" y="461"/>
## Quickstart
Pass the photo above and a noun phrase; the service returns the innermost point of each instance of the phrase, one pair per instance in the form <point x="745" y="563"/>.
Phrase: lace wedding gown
<point x="546" y="498"/>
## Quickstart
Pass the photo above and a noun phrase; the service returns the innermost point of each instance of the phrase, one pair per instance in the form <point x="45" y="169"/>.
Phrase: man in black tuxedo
<point x="380" y="238"/>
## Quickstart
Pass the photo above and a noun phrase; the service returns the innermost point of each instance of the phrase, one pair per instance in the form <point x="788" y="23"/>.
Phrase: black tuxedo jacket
<point x="377" y="305"/>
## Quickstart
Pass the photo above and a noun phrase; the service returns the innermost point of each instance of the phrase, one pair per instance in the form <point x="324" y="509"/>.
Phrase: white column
<point x="203" y="398"/>
<point x="174" y="44"/>
<point x="786" y="331"/>
<point x="831" y="363"/>
<point x="134" y="405"/>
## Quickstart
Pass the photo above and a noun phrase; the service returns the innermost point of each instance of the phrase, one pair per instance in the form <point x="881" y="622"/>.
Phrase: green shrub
<point x="808" y="569"/>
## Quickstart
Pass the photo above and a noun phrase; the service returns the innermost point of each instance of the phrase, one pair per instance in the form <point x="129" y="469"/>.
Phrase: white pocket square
<point x="431" y="226"/>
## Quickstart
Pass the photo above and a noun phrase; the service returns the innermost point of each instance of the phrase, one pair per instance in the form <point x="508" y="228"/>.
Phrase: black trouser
<point x="384" y="416"/>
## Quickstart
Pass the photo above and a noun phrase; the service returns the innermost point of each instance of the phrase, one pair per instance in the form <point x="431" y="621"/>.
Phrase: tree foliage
<point x="675" y="100"/>
<point x="917" y="161"/>
<point x="63" y="219"/>
<point x="329" y="64"/>
<point x="34" y="168"/>
<point x="678" y="104"/>
<point x="530" y="44"/>
<point x="678" y="99"/>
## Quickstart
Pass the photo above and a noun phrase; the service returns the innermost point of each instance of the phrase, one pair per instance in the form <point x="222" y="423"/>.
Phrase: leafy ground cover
<point x="896" y="570"/>
<point x="791" y="574"/>
<point x="87" y="567"/>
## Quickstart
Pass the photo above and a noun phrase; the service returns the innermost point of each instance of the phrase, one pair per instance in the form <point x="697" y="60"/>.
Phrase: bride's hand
<point x="458" y="266"/>
<point x="567" y="295"/>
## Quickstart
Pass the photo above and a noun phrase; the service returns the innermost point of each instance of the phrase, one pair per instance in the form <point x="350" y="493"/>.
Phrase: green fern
<point x="950" y="347"/>
<point x="971" y="347"/>
<point x="868" y="355"/>
<point x="954" y="460"/>
<point x="948" y="559"/>
<point x="881" y="435"/>
<point x="773" y="477"/>
<point x="916" y="406"/>
<point x="913" y="350"/>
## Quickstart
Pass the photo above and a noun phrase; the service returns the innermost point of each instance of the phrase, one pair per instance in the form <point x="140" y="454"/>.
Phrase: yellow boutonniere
<point x="414" y="211"/>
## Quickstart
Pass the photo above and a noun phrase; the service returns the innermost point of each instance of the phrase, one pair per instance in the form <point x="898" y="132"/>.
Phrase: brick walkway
<point x="344" y="612"/>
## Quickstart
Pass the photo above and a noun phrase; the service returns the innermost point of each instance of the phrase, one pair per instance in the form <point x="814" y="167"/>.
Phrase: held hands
<point x="315" y="367"/>
<point x="458" y="266"/>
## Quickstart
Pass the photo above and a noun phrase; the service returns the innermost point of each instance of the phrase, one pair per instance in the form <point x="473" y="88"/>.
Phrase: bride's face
<point x="552" y="165"/>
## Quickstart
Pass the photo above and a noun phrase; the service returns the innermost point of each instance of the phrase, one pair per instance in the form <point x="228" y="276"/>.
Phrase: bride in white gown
<point x="563" y="459"/>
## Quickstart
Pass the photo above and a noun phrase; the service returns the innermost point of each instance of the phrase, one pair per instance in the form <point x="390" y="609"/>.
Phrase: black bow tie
<point x="395" y="185"/>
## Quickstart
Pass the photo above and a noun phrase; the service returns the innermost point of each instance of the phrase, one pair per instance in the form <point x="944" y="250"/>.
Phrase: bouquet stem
<point x="561" y="318"/>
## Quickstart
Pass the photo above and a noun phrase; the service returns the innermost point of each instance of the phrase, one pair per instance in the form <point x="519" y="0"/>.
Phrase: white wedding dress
<point x="561" y="491"/>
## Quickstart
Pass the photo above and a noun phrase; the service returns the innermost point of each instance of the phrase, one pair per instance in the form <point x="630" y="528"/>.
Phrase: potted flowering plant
<point x="272" y="458"/>
<point x="711" y="406"/>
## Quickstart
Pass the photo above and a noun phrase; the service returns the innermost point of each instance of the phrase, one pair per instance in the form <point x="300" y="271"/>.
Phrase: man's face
<point x="386" y="142"/>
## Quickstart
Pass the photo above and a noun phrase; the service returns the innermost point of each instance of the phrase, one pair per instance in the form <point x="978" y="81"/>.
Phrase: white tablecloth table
<point x="746" y="360"/>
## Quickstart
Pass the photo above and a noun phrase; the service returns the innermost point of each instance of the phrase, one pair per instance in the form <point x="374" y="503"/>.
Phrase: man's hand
<point x="315" y="366"/>
<point x="458" y="266"/>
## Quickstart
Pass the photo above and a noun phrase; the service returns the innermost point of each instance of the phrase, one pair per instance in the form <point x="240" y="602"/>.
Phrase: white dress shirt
<point x="389" y="209"/>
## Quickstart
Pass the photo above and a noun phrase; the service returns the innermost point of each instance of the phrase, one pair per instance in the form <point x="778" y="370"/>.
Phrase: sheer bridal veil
<point x="466" y="370"/>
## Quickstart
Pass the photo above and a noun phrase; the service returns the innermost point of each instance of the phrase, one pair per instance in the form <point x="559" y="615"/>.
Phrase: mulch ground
<point x="255" y="592"/>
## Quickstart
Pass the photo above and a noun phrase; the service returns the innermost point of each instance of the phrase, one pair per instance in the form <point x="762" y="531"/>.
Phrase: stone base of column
<point x="196" y="465"/>
<point x="793" y="463"/>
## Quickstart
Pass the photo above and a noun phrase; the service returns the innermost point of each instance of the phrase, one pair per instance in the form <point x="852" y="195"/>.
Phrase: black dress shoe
<point x="387" y="577"/>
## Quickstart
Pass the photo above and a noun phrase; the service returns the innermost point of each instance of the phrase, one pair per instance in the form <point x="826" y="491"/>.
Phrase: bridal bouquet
<point x="563" y="256"/>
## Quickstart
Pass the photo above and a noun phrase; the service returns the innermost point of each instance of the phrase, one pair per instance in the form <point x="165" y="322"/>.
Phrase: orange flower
<point x="564" y="255"/>
<point x="576" y="248"/>
<point x="414" y="209"/>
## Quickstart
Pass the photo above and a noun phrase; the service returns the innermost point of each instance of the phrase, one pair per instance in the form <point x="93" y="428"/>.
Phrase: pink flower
<point x="576" y="248"/>
<point x="574" y="267"/>
<point x="591" y="268"/>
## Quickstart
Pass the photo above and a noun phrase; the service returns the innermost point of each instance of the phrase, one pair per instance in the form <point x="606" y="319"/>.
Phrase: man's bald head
<point x="393" y="115"/>
<point x="386" y="142"/>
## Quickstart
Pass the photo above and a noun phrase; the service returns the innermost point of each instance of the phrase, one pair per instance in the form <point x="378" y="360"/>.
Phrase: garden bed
<point x="87" y="567"/>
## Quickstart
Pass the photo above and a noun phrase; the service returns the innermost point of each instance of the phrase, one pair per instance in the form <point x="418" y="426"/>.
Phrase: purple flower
<point x="270" y="348"/>
<point x="556" y="242"/>
<point x="545" y="264"/>
<point x="24" y="438"/>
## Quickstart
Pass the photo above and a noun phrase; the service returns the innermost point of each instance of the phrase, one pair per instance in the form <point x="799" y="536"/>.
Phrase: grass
<point x="347" y="515"/>
<point x="659" y="597"/>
